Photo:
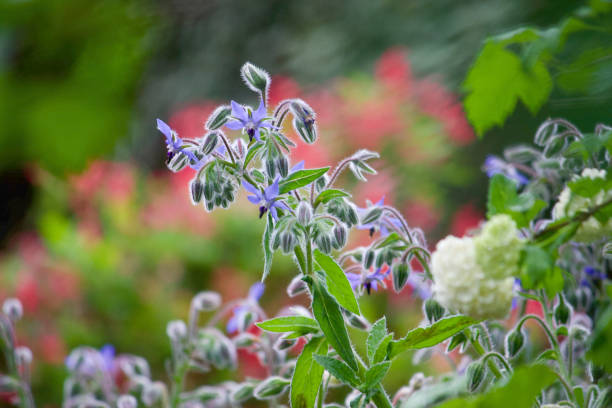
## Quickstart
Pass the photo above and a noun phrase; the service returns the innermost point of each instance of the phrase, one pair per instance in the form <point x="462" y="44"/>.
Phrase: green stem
<point x="309" y="269"/>
<point x="381" y="399"/>
<point x="178" y="381"/>
<point x="501" y="358"/>
<point x="481" y="351"/>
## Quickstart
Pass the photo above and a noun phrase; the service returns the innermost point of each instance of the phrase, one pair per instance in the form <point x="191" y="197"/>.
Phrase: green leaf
<point x="599" y="348"/>
<point x="375" y="374"/>
<point x="497" y="81"/>
<point x="327" y="195"/>
<point x="251" y="153"/>
<point x="301" y="178"/>
<point x="589" y="187"/>
<point x="327" y="312"/>
<point x="285" y="324"/>
<point x="308" y="375"/>
<point x="503" y="199"/>
<point x="376" y="336"/>
<point x="383" y="349"/>
<point x="337" y="282"/>
<point x="267" y="248"/>
<point x="423" y="337"/>
<point x="338" y="369"/>
<point x="539" y="272"/>
<point x="520" y="391"/>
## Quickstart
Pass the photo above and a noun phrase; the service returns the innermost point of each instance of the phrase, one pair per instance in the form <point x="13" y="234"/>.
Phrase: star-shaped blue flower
<point x="255" y="293"/>
<point x="268" y="200"/>
<point x="368" y="281"/>
<point x="494" y="165"/>
<point x="384" y="223"/>
<point x="173" y="142"/>
<point x="250" y="121"/>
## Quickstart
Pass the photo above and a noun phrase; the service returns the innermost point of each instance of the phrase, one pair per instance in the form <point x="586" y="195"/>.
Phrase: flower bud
<point x="197" y="190"/>
<point x="206" y="301"/>
<point x="400" y="273"/>
<point x="296" y="287"/>
<point x="339" y="232"/>
<point x="475" y="374"/>
<point x="270" y="388"/>
<point x="176" y="330"/>
<point x="153" y="392"/>
<point x="284" y="343"/>
<point x="177" y="163"/>
<point x="127" y="401"/>
<point x="352" y="216"/>
<point x="218" y="118"/>
<point x="324" y="243"/>
<point x="358" y="322"/>
<point x="23" y="355"/>
<point x="13" y="309"/>
<point x="287" y="242"/>
<point x="562" y="311"/>
<point x="514" y="342"/>
<point x="304" y="213"/>
<point x="433" y="310"/>
<point x="368" y="259"/>
<point x="283" y="166"/>
<point x="242" y="392"/>
<point x="271" y="168"/>
<point x="372" y="216"/>
<point x="245" y="339"/>
<point x="210" y="142"/>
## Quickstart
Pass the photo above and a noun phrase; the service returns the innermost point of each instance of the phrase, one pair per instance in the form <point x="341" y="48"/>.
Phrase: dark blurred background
<point x="102" y="244"/>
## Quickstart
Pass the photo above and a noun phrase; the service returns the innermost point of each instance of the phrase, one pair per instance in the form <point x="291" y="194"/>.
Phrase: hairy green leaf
<point x="337" y="283"/>
<point x="308" y="374"/>
<point x="290" y="323"/>
<point x="376" y="336"/>
<point x="301" y="178"/>
<point x="375" y="374"/>
<point x="338" y="369"/>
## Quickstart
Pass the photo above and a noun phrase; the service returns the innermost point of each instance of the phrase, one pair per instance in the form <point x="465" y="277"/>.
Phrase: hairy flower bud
<point x="219" y="117"/>
<point x="296" y="287"/>
<point x="242" y="392"/>
<point x="197" y="190"/>
<point x="340" y="233"/>
<point x="400" y="272"/>
<point x="323" y="242"/>
<point x="287" y="242"/>
<point x="13" y="309"/>
<point x="270" y="388"/>
<point x="433" y="310"/>
<point x="283" y="166"/>
<point x="153" y="392"/>
<point x="271" y="168"/>
<point x="514" y="342"/>
<point x="127" y="401"/>
<point x="244" y="339"/>
<point x="210" y="142"/>
<point x="206" y="301"/>
<point x="368" y="259"/>
<point x="475" y="373"/>
<point x="562" y="311"/>
<point x="358" y="322"/>
<point x="284" y="343"/>
<point x="176" y="330"/>
<point x="304" y="213"/>
<point x="23" y="355"/>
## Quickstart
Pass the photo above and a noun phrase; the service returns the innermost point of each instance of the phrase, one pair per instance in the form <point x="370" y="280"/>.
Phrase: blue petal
<point x="271" y="192"/>
<point x="256" y="291"/>
<point x="297" y="167"/>
<point x="235" y="125"/>
<point x="251" y="188"/>
<point x="165" y="129"/>
<point x="381" y="202"/>
<point x="239" y="112"/>
<point x="260" y="113"/>
<point x="254" y="199"/>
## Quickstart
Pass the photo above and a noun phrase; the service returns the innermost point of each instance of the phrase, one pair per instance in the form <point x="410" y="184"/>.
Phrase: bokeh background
<point x="101" y="243"/>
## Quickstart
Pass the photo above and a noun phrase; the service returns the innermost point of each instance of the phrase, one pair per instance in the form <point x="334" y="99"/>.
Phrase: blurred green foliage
<point x="68" y="76"/>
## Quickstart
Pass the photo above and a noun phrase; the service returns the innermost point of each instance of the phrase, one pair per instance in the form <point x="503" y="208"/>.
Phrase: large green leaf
<point x="327" y="195"/>
<point x="308" y="374"/>
<point x="301" y="178"/>
<point x="338" y="369"/>
<point x="337" y="282"/>
<point x="503" y="199"/>
<point x="285" y="324"/>
<point x="423" y="337"/>
<point x="327" y="312"/>
<point x="267" y="247"/>
<point x="497" y="81"/>
<point x="521" y="391"/>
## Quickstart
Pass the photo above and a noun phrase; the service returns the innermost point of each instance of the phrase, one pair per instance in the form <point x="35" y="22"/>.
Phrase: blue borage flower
<point x="89" y="361"/>
<point x="268" y="199"/>
<point x="249" y="121"/>
<point x="385" y="224"/>
<point x="173" y="142"/>
<point x="255" y="293"/>
<point x="494" y="165"/>
<point x="368" y="280"/>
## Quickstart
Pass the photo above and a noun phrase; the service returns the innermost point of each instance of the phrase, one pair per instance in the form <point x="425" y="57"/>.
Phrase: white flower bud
<point x="127" y="401"/>
<point x="153" y="392"/>
<point x="176" y="330"/>
<point x="13" y="309"/>
<point x="206" y="301"/>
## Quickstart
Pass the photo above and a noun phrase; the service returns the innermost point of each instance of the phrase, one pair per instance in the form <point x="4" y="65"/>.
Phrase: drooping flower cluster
<point x="474" y="275"/>
<point x="571" y="203"/>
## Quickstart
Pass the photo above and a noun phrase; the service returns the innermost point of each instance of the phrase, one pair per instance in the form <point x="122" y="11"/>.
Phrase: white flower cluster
<point x="475" y="275"/>
<point x="570" y="204"/>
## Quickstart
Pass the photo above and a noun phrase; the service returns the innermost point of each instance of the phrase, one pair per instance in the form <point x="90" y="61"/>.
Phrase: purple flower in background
<point x="173" y="142"/>
<point x="594" y="273"/>
<point x="108" y="356"/>
<point x="516" y="289"/>
<point x="255" y="293"/>
<point x="419" y="285"/>
<point x="268" y="200"/>
<point x="250" y="121"/>
<point x="368" y="281"/>
<point x="494" y="165"/>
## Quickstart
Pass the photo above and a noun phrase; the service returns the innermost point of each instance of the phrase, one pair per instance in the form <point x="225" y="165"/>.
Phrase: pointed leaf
<point x="300" y="179"/>
<point x="308" y="374"/>
<point x="337" y="282"/>
<point x="377" y="334"/>
<point x="327" y="195"/>
<point x="338" y="369"/>
<point x="289" y="323"/>
<point x="375" y="374"/>
<point x="267" y="248"/>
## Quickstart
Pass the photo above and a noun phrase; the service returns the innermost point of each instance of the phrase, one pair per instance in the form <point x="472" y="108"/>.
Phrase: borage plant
<point x="536" y="252"/>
